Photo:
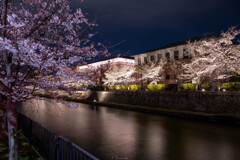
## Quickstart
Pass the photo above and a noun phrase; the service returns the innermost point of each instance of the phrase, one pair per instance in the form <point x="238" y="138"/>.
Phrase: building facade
<point x="174" y="55"/>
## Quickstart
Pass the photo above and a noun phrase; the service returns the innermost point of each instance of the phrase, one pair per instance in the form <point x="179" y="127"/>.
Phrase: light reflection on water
<point x="109" y="133"/>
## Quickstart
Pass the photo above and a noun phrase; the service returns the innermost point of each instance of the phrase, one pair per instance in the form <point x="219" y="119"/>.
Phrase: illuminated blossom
<point x="214" y="58"/>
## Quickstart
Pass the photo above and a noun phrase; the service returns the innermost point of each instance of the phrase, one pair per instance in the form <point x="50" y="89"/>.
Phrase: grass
<point x="25" y="151"/>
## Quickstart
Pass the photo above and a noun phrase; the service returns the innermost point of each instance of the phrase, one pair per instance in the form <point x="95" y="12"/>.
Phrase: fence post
<point x="56" y="147"/>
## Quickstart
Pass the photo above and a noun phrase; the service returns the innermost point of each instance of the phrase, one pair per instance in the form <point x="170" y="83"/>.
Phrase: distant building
<point x="114" y="62"/>
<point x="97" y="69"/>
<point x="174" y="52"/>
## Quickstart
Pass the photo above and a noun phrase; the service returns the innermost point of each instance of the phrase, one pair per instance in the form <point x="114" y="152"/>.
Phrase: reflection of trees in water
<point x="108" y="132"/>
<point x="42" y="107"/>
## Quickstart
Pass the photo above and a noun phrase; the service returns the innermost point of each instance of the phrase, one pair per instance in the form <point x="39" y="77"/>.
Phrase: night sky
<point x="129" y="27"/>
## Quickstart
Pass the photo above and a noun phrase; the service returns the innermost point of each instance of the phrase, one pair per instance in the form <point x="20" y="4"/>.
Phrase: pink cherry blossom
<point x="214" y="58"/>
<point x="38" y="48"/>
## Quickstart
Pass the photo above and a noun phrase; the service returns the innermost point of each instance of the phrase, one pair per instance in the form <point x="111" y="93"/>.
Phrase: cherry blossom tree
<point x="151" y="72"/>
<point x="127" y="74"/>
<point x="39" y="41"/>
<point x="122" y="75"/>
<point x="214" y="58"/>
<point x="98" y="74"/>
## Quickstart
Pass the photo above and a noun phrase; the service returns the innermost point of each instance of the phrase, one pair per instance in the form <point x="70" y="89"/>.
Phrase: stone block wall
<point x="209" y="102"/>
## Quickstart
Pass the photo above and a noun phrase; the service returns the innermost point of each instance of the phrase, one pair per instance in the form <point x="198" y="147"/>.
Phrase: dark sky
<point x="142" y="25"/>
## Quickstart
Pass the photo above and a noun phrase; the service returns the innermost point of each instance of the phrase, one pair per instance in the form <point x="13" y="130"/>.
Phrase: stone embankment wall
<point x="209" y="102"/>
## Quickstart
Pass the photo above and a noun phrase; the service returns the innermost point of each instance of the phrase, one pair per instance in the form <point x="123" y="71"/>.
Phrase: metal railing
<point x="48" y="144"/>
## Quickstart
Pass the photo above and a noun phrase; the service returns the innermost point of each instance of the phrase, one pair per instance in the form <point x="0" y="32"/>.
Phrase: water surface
<point x="110" y="133"/>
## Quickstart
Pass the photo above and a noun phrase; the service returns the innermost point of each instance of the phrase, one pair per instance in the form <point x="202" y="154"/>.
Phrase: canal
<point x="110" y="133"/>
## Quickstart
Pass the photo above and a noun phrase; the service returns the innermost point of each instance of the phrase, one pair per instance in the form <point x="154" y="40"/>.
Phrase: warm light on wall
<point x="115" y="60"/>
<point x="102" y="95"/>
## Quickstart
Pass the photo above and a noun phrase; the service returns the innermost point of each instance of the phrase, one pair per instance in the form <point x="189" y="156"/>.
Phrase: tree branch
<point x="45" y="19"/>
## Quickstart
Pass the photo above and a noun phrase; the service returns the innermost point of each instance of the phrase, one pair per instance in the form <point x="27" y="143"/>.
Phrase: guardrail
<point x="48" y="144"/>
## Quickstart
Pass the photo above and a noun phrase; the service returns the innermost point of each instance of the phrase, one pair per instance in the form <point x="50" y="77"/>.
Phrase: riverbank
<point x="220" y="118"/>
<point x="26" y="152"/>
<point x="225" y="119"/>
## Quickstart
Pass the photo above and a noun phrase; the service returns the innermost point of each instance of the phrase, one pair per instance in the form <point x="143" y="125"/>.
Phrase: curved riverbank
<point x="220" y="118"/>
<point x="226" y="119"/>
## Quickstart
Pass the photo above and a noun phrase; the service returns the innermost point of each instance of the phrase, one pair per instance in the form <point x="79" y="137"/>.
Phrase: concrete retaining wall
<point x="209" y="102"/>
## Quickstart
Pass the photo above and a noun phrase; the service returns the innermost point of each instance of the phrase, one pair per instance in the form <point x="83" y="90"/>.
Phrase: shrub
<point x="156" y="87"/>
<point x="117" y="87"/>
<point x="189" y="86"/>
<point x="231" y="86"/>
<point x="124" y="87"/>
<point x="151" y="87"/>
<point x="111" y="87"/>
<point x="134" y="87"/>
<point x="160" y="87"/>
<point x="206" y="86"/>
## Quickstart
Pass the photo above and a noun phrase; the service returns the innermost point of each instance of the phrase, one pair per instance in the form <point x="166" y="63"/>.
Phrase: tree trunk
<point x="196" y="88"/>
<point x="3" y="132"/>
<point x="12" y="129"/>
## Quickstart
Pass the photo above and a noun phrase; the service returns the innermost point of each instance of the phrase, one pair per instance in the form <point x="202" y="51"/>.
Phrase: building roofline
<point x="174" y="44"/>
<point x="109" y="59"/>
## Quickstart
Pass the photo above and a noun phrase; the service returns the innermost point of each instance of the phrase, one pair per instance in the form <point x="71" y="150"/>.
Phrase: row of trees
<point x="213" y="59"/>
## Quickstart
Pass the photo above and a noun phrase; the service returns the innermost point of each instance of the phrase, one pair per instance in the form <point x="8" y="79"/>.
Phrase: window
<point x="159" y="57"/>
<point x="139" y="61"/>
<point x="152" y="58"/>
<point x="145" y="60"/>
<point x="168" y="56"/>
<point x="176" y="55"/>
<point x="167" y="77"/>
<point x="185" y="54"/>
